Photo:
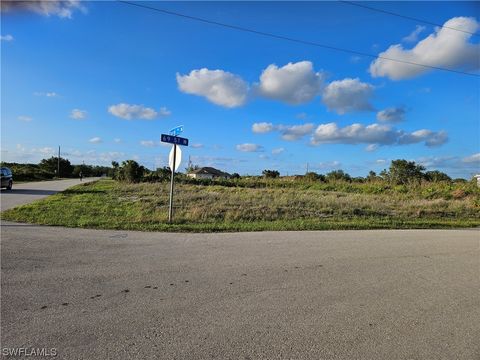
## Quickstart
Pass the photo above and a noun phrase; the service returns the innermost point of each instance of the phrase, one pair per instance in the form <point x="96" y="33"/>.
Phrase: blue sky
<point x="105" y="79"/>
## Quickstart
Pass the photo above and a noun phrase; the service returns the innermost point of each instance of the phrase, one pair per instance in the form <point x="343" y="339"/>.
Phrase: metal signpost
<point x="173" y="161"/>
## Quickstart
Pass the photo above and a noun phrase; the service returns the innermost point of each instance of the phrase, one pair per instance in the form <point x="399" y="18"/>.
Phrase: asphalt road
<point x="28" y="192"/>
<point x="292" y="295"/>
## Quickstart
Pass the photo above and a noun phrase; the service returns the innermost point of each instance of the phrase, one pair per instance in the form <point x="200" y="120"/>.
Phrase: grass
<point x="273" y="205"/>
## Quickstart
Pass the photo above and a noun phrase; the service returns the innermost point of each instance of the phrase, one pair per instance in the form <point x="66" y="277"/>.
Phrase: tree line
<point x="401" y="172"/>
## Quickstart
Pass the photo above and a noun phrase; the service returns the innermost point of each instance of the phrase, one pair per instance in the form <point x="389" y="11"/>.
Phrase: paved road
<point x="28" y="192"/>
<point x="291" y="295"/>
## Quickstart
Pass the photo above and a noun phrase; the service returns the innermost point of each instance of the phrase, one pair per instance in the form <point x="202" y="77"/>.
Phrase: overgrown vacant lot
<point x="266" y="205"/>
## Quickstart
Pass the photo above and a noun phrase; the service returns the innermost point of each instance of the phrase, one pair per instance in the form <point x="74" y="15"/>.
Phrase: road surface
<point x="411" y="294"/>
<point x="25" y="193"/>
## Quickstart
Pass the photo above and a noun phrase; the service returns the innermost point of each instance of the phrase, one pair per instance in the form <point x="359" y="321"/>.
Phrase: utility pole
<point x="307" y="168"/>
<point x="58" y="162"/>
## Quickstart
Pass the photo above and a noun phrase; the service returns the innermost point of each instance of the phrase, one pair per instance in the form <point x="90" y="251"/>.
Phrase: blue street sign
<point x="174" y="140"/>
<point x="176" y="130"/>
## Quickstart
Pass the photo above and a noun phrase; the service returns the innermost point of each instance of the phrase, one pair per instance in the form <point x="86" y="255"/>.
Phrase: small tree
<point x="405" y="172"/>
<point x="50" y="165"/>
<point x="313" y="176"/>
<point x="338" y="175"/>
<point x="270" y="174"/>
<point x="235" y="176"/>
<point x="131" y="171"/>
<point x="437" y="176"/>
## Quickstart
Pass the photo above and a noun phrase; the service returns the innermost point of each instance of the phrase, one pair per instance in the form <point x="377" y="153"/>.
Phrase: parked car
<point x="6" y="178"/>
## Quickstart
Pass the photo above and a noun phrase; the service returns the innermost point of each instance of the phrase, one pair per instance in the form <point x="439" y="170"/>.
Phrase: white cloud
<point x="445" y="48"/>
<point x="430" y="137"/>
<point x="375" y="134"/>
<point x="295" y="132"/>
<point x="371" y="147"/>
<point x="197" y="146"/>
<point x="130" y="112"/>
<point x="294" y="83"/>
<point x="164" y="112"/>
<point x="348" y="95"/>
<point x="7" y="37"/>
<point x="391" y="115"/>
<point x="413" y="36"/>
<point x="24" y="118"/>
<point x="117" y="140"/>
<point x="277" y="151"/>
<point x="78" y="114"/>
<point x="248" y="147"/>
<point x="288" y="132"/>
<point x="47" y="94"/>
<point x="60" y="8"/>
<point x="218" y="86"/>
<point x="148" y="143"/>
<point x="95" y="140"/>
<point x="263" y="127"/>
<point x="474" y="158"/>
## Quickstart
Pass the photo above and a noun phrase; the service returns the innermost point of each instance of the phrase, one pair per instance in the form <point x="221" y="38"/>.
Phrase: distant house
<point x="208" y="173"/>
<point x="478" y="179"/>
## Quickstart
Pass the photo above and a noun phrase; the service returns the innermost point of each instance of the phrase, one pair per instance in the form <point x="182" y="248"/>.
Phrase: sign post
<point x="173" y="162"/>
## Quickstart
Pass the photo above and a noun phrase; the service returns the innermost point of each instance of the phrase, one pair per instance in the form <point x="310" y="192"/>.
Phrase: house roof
<point x="209" y="171"/>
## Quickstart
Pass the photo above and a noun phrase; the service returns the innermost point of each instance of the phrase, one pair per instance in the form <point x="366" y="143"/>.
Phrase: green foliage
<point x="271" y="174"/>
<point x="131" y="171"/>
<point x="313" y="176"/>
<point x="437" y="176"/>
<point x="405" y="172"/>
<point x="51" y="165"/>
<point x="338" y="175"/>
<point x="287" y="205"/>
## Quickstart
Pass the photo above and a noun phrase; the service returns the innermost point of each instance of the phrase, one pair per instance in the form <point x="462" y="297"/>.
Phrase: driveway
<point x="28" y="192"/>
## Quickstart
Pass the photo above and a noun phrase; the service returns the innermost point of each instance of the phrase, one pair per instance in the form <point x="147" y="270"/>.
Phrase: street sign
<point x="178" y="157"/>
<point x="174" y="139"/>
<point x="176" y="130"/>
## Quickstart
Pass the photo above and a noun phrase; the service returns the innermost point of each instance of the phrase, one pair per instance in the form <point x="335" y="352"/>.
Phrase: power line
<point x="405" y="16"/>
<point x="300" y="41"/>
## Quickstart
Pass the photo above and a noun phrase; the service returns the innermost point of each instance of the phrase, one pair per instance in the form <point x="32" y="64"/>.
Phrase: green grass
<point x="274" y="205"/>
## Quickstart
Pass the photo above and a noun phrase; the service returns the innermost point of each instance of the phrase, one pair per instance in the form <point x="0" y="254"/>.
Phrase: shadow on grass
<point x="83" y="191"/>
<point x="30" y="192"/>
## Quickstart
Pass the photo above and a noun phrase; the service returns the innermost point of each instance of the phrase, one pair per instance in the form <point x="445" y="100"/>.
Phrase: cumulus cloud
<point x="413" y="36"/>
<point x="24" y="118"/>
<point x="218" y="86"/>
<point x="474" y="158"/>
<point x="248" y="147"/>
<point x="288" y="132"/>
<point x="60" y="8"/>
<point x="444" y="48"/>
<point x="117" y="140"/>
<point x="95" y="140"/>
<point x="294" y="83"/>
<point x="196" y="146"/>
<point x="131" y="112"/>
<point x="295" y="132"/>
<point x="7" y="37"/>
<point x="78" y="114"/>
<point x="377" y="134"/>
<point x="348" y="95"/>
<point x="391" y="115"/>
<point x="263" y="127"/>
